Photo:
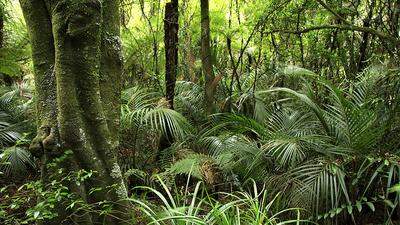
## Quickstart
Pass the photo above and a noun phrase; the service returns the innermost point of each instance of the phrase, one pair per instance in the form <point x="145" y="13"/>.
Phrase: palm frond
<point x="144" y="109"/>
<point x="15" y="161"/>
<point x="324" y="182"/>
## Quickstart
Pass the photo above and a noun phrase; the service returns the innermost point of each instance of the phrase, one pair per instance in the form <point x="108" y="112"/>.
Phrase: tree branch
<point x="327" y="7"/>
<point x="380" y="34"/>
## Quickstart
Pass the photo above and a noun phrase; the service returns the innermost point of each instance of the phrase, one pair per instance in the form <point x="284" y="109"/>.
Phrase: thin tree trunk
<point x="171" y="27"/>
<point x="300" y="40"/>
<point x="77" y="62"/>
<point x="206" y="57"/>
<point x="1" y="24"/>
<point x="188" y="59"/>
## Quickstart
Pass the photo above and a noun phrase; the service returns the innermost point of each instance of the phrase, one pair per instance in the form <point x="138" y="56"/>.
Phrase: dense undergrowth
<point x="321" y="153"/>
<point x="285" y="145"/>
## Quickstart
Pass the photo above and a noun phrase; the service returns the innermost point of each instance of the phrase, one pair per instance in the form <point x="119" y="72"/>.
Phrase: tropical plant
<point x="150" y="109"/>
<point x="198" y="207"/>
<point x="308" y="149"/>
<point x="15" y="104"/>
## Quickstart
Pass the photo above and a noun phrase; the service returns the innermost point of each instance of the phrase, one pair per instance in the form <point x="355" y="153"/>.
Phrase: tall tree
<point x="206" y="56"/>
<point x="171" y="27"/>
<point x="1" y="24"/>
<point x="76" y="54"/>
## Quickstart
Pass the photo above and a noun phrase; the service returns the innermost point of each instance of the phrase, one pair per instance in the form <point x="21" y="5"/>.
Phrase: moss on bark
<point x="206" y="60"/>
<point x="79" y="98"/>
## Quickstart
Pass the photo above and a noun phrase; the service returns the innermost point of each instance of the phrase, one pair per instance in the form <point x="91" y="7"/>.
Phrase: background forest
<point x="232" y="112"/>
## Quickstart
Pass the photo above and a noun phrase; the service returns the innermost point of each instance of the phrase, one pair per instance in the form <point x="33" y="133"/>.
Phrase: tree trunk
<point x="171" y="27"/>
<point x="1" y="24"/>
<point x="206" y="59"/>
<point x="363" y="49"/>
<point x="77" y="61"/>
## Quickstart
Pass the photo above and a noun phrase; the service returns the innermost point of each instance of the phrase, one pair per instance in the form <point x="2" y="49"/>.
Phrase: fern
<point x="190" y="165"/>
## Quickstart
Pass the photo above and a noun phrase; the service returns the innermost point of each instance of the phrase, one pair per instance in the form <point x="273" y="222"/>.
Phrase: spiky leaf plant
<point x="197" y="207"/>
<point x="16" y="161"/>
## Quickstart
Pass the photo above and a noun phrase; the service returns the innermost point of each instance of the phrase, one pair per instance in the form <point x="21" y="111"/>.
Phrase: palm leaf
<point x="15" y="161"/>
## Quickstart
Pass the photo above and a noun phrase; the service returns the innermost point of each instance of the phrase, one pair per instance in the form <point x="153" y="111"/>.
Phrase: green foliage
<point x="142" y="110"/>
<point x="39" y="201"/>
<point x="192" y="161"/>
<point x="198" y="207"/>
<point x="315" y="150"/>
<point x="307" y="106"/>
<point x="15" y="49"/>
<point x="15" y="159"/>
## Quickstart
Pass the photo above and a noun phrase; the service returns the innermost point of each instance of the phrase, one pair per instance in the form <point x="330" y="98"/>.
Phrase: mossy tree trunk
<point x="206" y="60"/>
<point x="77" y="61"/>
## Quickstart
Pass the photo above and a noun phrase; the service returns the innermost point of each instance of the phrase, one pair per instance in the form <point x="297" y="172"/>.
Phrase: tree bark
<point x="1" y="24"/>
<point x="171" y="27"/>
<point x="206" y="59"/>
<point x="77" y="60"/>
